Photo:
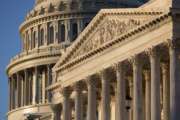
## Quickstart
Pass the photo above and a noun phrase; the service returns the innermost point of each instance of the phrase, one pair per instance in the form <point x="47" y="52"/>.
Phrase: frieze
<point x="105" y="33"/>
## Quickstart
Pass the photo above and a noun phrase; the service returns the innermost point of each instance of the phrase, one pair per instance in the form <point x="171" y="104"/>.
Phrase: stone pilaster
<point x="147" y="79"/>
<point x="92" y="105"/>
<point x="45" y="33"/>
<point x="155" y="84"/>
<point x="121" y="93"/>
<point x="56" y="32"/>
<point x="105" y="95"/>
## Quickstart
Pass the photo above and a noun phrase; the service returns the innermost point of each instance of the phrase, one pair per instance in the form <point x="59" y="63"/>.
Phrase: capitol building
<point x="97" y="60"/>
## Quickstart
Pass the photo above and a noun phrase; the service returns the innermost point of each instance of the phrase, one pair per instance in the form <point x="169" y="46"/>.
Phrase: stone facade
<point x="123" y="66"/>
<point x="47" y="32"/>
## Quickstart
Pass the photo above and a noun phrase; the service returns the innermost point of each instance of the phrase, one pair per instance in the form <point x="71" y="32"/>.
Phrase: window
<point x="51" y="35"/>
<point x="74" y="31"/>
<point x="61" y="33"/>
<point x="41" y="37"/>
<point x="34" y="40"/>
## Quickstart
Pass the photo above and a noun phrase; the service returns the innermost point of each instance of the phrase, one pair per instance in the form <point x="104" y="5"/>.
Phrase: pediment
<point x="105" y="27"/>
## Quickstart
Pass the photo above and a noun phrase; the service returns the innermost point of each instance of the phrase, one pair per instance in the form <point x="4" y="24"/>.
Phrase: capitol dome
<point x="48" y="29"/>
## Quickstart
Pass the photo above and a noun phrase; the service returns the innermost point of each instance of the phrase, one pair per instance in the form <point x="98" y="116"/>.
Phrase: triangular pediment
<point x="105" y="27"/>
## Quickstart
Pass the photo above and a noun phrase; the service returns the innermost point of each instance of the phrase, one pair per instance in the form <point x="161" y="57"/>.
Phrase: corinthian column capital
<point x="173" y="43"/>
<point x="65" y="92"/>
<point x="147" y="74"/>
<point x="152" y="52"/>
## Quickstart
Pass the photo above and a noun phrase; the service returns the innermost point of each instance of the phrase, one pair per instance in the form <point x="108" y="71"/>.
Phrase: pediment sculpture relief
<point x="105" y="33"/>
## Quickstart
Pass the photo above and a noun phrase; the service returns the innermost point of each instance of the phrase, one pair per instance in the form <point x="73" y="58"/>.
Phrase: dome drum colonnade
<point x="34" y="43"/>
<point x="140" y="85"/>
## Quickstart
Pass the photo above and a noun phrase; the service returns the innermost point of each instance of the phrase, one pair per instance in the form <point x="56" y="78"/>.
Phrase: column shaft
<point x="137" y="102"/>
<point x="174" y="82"/>
<point x="166" y="91"/>
<point x="66" y="105"/>
<point x="22" y="91"/>
<point x="155" y="85"/>
<point x="91" y="108"/>
<point x="25" y="87"/>
<point x="147" y="95"/>
<point x="78" y="102"/>
<point x="121" y="93"/>
<point x="34" y="90"/>
<point x="18" y="90"/>
<point x="105" y="95"/>
<point x="9" y="85"/>
<point x="43" y="87"/>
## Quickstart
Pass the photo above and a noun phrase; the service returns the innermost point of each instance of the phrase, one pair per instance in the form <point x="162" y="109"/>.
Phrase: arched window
<point x="61" y="33"/>
<point x="51" y="35"/>
<point x="74" y="31"/>
<point x="41" y="37"/>
<point x="34" y="39"/>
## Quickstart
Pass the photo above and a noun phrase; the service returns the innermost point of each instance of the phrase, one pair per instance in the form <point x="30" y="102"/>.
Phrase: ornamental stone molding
<point x="90" y="41"/>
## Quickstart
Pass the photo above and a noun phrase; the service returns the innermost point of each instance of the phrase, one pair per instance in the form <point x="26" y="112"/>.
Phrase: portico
<point x="127" y="74"/>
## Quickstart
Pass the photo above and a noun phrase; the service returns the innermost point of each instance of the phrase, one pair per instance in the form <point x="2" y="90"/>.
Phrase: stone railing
<point x="35" y="54"/>
<point x="51" y="50"/>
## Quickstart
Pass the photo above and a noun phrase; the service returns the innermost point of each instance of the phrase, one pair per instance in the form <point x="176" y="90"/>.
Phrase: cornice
<point x="32" y="55"/>
<point x="124" y="12"/>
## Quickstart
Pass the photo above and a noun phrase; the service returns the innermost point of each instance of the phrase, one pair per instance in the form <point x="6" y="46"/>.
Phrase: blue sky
<point x="12" y="14"/>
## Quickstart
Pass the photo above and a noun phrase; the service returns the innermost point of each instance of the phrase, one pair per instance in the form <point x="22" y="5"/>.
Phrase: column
<point x="36" y="37"/>
<point x="147" y="94"/>
<point x="80" y="26"/>
<point x="174" y="81"/>
<point x="43" y="86"/>
<point x="49" y="74"/>
<point x="18" y="90"/>
<point x="130" y="79"/>
<point x="13" y="93"/>
<point x="45" y="33"/>
<point x="121" y="93"/>
<point x="91" y="108"/>
<point x="166" y="91"/>
<point x="56" y="112"/>
<point x="34" y="90"/>
<point x="78" y="102"/>
<point x="137" y="83"/>
<point x="25" y="87"/>
<point x="30" y="88"/>
<point x="9" y="86"/>
<point x="22" y="91"/>
<point x="66" y="104"/>
<point x="105" y="95"/>
<point x="155" y="85"/>
<point x="68" y="31"/>
<point x="56" y="31"/>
